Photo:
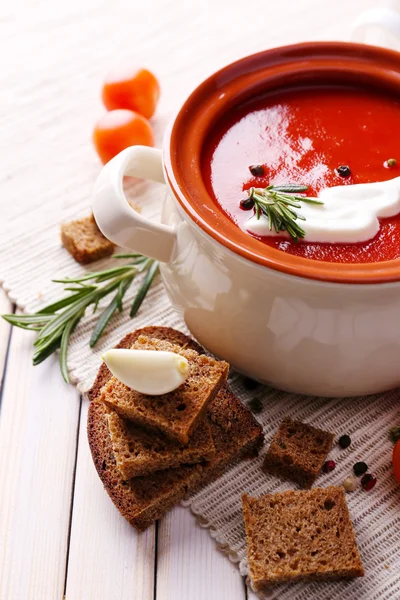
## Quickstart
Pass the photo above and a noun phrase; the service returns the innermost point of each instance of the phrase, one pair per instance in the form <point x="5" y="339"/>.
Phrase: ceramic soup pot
<point x="301" y="325"/>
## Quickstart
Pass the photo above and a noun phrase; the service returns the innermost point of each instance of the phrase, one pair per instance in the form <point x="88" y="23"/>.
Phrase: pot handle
<point x="385" y="19"/>
<point x="116" y="219"/>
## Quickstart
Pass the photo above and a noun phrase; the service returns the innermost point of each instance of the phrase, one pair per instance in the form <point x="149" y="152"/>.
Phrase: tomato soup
<point x="303" y="136"/>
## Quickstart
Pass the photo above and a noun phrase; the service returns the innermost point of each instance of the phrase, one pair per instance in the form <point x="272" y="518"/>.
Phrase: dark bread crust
<point x="141" y="500"/>
<point x="145" y="499"/>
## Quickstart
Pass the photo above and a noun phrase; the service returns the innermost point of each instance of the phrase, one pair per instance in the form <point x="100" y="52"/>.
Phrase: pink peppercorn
<point x="368" y="481"/>
<point x="329" y="466"/>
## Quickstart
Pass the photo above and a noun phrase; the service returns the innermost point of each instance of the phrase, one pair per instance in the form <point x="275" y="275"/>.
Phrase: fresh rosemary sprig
<point x="55" y="322"/>
<point x="277" y="203"/>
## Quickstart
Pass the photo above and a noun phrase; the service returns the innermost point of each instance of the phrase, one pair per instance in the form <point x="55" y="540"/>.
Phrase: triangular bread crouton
<point x="138" y="451"/>
<point x="178" y="413"/>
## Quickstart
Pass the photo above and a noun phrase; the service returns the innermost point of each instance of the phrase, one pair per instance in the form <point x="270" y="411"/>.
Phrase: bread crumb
<point x="84" y="240"/>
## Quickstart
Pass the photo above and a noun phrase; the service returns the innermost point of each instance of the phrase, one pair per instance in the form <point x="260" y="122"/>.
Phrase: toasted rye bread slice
<point x="178" y="413"/>
<point x="138" y="451"/>
<point x="143" y="500"/>
<point x="84" y="240"/>
<point x="297" y="452"/>
<point x="302" y="535"/>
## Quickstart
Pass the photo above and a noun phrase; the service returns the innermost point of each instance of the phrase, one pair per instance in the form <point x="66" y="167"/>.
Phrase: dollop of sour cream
<point x="350" y="213"/>
<point x="149" y="372"/>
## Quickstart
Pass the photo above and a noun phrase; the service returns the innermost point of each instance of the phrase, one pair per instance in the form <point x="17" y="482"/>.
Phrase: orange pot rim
<point x="288" y="66"/>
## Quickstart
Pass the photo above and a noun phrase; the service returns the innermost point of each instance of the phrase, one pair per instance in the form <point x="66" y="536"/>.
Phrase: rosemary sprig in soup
<point x="278" y="204"/>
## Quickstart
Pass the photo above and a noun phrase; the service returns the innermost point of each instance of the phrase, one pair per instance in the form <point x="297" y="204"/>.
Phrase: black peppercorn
<point x="246" y="203"/>
<point x="250" y="384"/>
<point x="360" y="468"/>
<point x="394" y="434"/>
<point x="257" y="170"/>
<point x="343" y="171"/>
<point x="344" y="441"/>
<point x="256" y="405"/>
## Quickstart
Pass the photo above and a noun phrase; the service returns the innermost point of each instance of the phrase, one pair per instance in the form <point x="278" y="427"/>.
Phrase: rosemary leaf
<point x="123" y="286"/>
<point x="79" y="290"/>
<point x="68" y="329"/>
<point x="146" y="264"/>
<point x="40" y="342"/>
<point x="279" y="210"/>
<point x="290" y="188"/>
<point x="39" y="357"/>
<point x="20" y="320"/>
<point x="95" y="305"/>
<point x="70" y="312"/>
<point x="128" y="255"/>
<point x="55" y="306"/>
<point x="66" y="315"/>
<point x="27" y="327"/>
<point x="151" y="273"/>
<point x="288" y="212"/>
<point x="269" y="215"/>
<point x="78" y="280"/>
<point x="311" y="200"/>
<point x="97" y="275"/>
<point x="116" y="303"/>
<point x="120" y="271"/>
<point x="288" y="200"/>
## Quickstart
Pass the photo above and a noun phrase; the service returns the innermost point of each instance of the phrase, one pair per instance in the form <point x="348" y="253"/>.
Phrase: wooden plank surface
<point x="5" y="307"/>
<point x="107" y="558"/>
<point x="188" y="564"/>
<point x="38" y="425"/>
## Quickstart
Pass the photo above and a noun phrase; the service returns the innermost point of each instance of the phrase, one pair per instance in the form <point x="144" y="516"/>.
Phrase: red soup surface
<point x="302" y="136"/>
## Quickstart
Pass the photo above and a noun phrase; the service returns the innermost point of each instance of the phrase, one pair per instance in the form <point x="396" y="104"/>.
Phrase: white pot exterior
<point x="301" y="335"/>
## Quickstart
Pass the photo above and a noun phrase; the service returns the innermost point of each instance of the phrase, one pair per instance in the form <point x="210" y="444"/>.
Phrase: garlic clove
<point x="149" y="372"/>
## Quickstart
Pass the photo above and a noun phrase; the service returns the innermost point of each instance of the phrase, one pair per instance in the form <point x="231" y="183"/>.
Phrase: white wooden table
<point x="59" y="533"/>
